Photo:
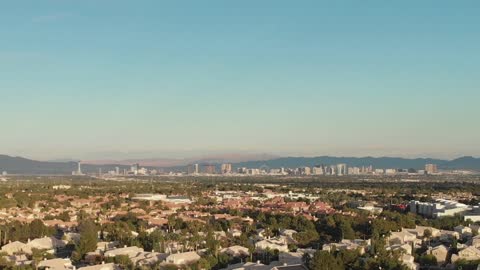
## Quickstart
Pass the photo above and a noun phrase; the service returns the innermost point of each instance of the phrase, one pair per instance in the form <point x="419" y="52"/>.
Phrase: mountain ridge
<point x="20" y="165"/>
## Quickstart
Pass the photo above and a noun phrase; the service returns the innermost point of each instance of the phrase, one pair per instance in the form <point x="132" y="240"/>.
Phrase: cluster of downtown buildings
<point x="333" y="170"/>
<point x="227" y="169"/>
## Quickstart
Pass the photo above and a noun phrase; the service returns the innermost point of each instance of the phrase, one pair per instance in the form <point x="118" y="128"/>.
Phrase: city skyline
<point x="119" y="80"/>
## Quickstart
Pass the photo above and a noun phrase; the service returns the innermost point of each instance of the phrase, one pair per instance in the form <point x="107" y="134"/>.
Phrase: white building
<point x="469" y="254"/>
<point x="236" y="251"/>
<point x="182" y="258"/>
<point x="16" y="247"/>
<point x="56" y="264"/>
<point x="162" y="197"/>
<point x="440" y="208"/>
<point x="103" y="266"/>
<point x="440" y="252"/>
<point x="342" y="169"/>
<point x="305" y="171"/>
<point x="272" y="244"/>
<point x="318" y="170"/>
<point x="226" y="168"/>
<point x="358" y="244"/>
<point x="371" y="208"/>
<point x="131" y="252"/>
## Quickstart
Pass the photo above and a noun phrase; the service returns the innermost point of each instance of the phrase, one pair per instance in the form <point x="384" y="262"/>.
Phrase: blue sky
<point x="116" y="79"/>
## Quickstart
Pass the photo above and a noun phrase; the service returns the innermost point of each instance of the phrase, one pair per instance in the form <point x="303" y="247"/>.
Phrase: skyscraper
<point x="226" y="168"/>
<point x="318" y="170"/>
<point x="305" y="170"/>
<point x="431" y="168"/>
<point x="192" y="169"/>
<point x="135" y="167"/>
<point x="79" y="170"/>
<point x="209" y="169"/>
<point x="195" y="168"/>
<point x="342" y="169"/>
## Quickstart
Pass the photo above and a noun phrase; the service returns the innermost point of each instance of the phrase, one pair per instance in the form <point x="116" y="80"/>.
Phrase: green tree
<point x="203" y="263"/>
<point x="347" y="230"/>
<point x="37" y="229"/>
<point x="428" y="260"/>
<point x="324" y="260"/>
<point x="124" y="261"/>
<point x="64" y="216"/>
<point x="88" y="239"/>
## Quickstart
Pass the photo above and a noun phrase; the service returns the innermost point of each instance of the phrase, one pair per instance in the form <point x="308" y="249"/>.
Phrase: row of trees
<point x="19" y="231"/>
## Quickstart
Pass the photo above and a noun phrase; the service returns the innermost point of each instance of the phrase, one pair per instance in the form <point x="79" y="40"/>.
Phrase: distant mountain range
<point x="19" y="165"/>
<point x="465" y="163"/>
<point x="170" y="163"/>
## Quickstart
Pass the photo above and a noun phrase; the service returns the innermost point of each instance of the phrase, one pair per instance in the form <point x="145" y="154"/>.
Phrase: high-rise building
<point x="209" y="169"/>
<point x="354" y="170"/>
<point x="331" y="170"/>
<point x="134" y="169"/>
<point x="226" y="168"/>
<point x="117" y="170"/>
<point x="253" y="171"/>
<point x="318" y="170"/>
<point x="366" y="170"/>
<point x="342" y="169"/>
<point x="305" y="171"/>
<point x="79" y="170"/>
<point x="196" y="168"/>
<point x="192" y="169"/>
<point x="242" y="170"/>
<point x="431" y="168"/>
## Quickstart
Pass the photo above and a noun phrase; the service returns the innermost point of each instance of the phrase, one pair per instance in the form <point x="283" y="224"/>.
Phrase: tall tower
<point x="195" y="169"/>
<point x="209" y="169"/>
<point x="79" y="170"/>
<point x="226" y="168"/>
<point x="342" y="169"/>
<point x="431" y="168"/>
<point x="135" y="167"/>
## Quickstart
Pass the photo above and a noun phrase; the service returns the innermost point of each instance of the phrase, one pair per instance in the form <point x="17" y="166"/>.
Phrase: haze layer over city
<point x="239" y="135"/>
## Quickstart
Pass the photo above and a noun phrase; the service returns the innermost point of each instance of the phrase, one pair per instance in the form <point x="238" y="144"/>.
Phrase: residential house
<point x="446" y="235"/>
<point x="16" y="247"/>
<point x="469" y="254"/>
<point x="18" y="260"/>
<point x="419" y="231"/>
<point x="475" y="241"/>
<point x="408" y="261"/>
<point x="279" y="244"/>
<point x="56" y="264"/>
<point x="463" y="231"/>
<point x="182" y="258"/>
<point x="402" y="248"/>
<point x="290" y="267"/>
<point x="291" y="258"/>
<point x="148" y="258"/>
<point x="103" y="266"/>
<point x="46" y="243"/>
<point x="131" y="252"/>
<point x="401" y="237"/>
<point x="236" y="251"/>
<point x="440" y="252"/>
<point x="288" y="234"/>
<point x="358" y="244"/>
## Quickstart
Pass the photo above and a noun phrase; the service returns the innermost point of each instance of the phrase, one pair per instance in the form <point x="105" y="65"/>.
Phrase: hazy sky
<point x="111" y="78"/>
